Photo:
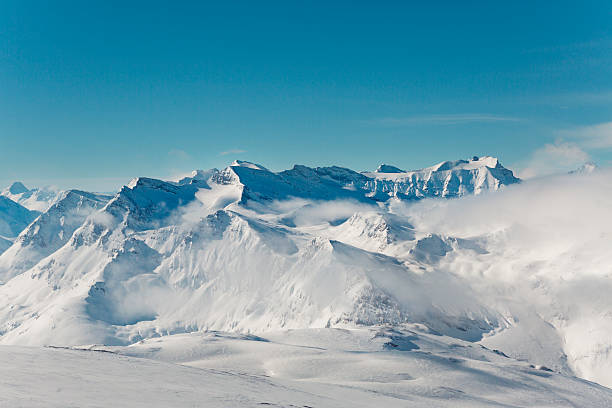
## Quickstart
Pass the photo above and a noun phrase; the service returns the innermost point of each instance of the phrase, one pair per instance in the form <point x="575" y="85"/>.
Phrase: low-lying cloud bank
<point x="548" y="258"/>
<point x="569" y="208"/>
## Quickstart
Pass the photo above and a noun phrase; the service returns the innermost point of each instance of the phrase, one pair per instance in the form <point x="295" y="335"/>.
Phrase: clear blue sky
<point x="94" y="93"/>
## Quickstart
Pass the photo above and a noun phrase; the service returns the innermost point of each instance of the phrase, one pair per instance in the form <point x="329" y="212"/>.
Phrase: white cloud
<point x="597" y="136"/>
<point x="558" y="157"/>
<point x="232" y="151"/>
<point x="564" y="208"/>
<point x="575" y="98"/>
<point x="179" y="154"/>
<point x="328" y="211"/>
<point x="450" y="119"/>
<point x="305" y="212"/>
<point x="567" y="153"/>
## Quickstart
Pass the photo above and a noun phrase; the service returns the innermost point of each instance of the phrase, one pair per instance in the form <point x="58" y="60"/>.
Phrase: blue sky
<point x="94" y="93"/>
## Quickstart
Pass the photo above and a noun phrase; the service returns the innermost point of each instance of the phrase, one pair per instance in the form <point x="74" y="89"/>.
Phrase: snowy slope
<point x="5" y="243"/>
<point x="225" y="272"/>
<point x="49" y="232"/>
<point x="36" y="199"/>
<point x="302" y="368"/>
<point x="13" y="218"/>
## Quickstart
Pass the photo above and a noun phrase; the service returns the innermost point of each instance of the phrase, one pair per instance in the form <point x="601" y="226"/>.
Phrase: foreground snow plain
<point x="324" y="282"/>
<point x="377" y="366"/>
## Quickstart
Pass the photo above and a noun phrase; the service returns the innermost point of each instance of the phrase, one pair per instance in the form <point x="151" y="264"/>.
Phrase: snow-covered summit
<point x="16" y="188"/>
<point x="474" y="163"/>
<point x="449" y="165"/>
<point x="50" y="231"/>
<point x="250" y="165"/>
<point x="387" y="168"/>
<point x="197" y="177"/>
<point x="36" y="199"/>
<point x="445" y="179"/>
<point x="146" y="202"/>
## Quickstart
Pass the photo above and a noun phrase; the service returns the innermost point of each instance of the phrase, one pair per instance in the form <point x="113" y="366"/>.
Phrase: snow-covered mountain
<point x="245" y="249"/>
<point x="232" y="227"/>
<point x="446" y="179"/>
<point x="225" y="270"/>
<point x="49" y="232"/>
<point x="36" y="199"/>
<point x="13" y="219"/>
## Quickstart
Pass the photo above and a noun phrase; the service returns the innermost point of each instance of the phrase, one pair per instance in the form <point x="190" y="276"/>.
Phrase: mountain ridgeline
<point x="446" y="179"/>
<point x="241" y="248"/>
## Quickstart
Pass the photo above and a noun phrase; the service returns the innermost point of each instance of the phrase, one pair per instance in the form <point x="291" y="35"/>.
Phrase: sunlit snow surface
<point x="386" y="295"/>
<point x="388" y="367"/>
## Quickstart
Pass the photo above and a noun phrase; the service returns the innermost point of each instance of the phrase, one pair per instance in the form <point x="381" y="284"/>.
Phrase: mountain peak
<point x="250" y="165"/>
<point x="474" y="163"/>
<point x="387" y="168"/>
<point x="586" y="168"/>
<point x="17" y="188"/>
<point x="146" y="182"/>
<point x="488" y="161"/>
<point x="36" y="199"/>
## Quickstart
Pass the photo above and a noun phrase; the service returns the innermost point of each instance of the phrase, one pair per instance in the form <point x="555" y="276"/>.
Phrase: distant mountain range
<point x="158" y="235"/>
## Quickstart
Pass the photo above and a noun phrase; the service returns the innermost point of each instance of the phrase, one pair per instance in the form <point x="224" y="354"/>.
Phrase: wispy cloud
<point x="597" y="136"/>
<point x="566" y="100"/>
<point x="232" y="151"/>
<point x="553" y="158"/>
<point x="568" y="152"/>
<point x="179" y="154"/>
<point x="448" y="119"/>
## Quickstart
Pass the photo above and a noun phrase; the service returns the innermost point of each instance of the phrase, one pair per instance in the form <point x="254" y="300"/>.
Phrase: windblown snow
<point x="456" y="283"/>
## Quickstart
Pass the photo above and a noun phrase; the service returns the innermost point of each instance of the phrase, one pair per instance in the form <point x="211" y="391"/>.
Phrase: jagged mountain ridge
<point x="192" y="239"/>
<point x="255" y="182"/>
<point x="446" y="179"/>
